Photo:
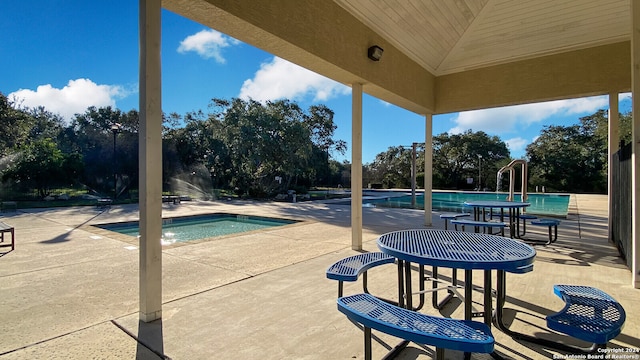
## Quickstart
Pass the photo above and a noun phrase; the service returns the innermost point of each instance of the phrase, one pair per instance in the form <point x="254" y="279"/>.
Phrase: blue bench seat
<point x="524" y="218"/>
<point x="589" y="314"/>
<point x="552" y="224"/>
<point x="350" y="268"/>
<point x="452" y="216"/>
<point x="486" y="225"/>
<point x="443" y="333"/>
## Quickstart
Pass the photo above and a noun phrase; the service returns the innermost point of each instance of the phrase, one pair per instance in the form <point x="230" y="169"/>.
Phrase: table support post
<point x="422" y="288"/>
<point x="468" y="287"/>
<point x="400" y="283"/>
<point x="367" y="343"/>
<point x="408" y="287"/>
<point x="488" y="301"/>
<point x="434" y="285"/>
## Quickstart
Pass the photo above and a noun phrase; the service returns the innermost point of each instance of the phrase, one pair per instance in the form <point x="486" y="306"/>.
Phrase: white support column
<point x="428" y="168"/>
<point x="614" y="140"/>
<point x="635" y="162"/>
<point x="150" y="161"/>
<point x="356" y="166"/>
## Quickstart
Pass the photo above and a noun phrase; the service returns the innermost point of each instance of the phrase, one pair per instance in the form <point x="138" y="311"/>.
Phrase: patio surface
<point x="69" y="291"/>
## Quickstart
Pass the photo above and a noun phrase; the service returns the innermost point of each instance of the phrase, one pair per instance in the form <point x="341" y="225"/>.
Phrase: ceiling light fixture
<point x="375" y="53"/>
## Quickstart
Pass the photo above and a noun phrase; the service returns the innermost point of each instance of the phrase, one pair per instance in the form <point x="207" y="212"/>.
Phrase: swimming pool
<point x="189" y="228"/>
<point x="541" y="204"/>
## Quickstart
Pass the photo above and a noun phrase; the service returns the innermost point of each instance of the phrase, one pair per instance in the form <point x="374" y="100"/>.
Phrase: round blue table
<point x="458" y="250"/>
<point x="512" y="206"/>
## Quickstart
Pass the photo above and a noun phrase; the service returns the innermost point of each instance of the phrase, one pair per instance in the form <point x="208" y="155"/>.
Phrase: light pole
<point x="413" y="174"/>
<point x="479" y="172"/>
<point x="414" y="152"/>
<point x="115" y="129"/>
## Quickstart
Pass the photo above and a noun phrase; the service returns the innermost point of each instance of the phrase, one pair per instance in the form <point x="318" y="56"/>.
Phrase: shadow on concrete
<point x="150" y="338"/>
<point x="65" y="237"/>
<point x="540" y="313"/>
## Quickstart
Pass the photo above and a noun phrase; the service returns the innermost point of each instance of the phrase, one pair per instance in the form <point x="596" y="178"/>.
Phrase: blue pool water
<point x="541" y="204"/>
<point x="181" y="229"/>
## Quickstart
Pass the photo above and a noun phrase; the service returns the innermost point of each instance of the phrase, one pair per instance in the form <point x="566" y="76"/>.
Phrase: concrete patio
<point x="70" y="291"/>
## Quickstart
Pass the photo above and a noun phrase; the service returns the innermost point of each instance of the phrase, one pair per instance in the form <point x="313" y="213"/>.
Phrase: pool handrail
<point x="512" y="178"/>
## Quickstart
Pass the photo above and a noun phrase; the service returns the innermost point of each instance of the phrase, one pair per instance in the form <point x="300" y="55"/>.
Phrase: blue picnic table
<point x="458" y="250"/>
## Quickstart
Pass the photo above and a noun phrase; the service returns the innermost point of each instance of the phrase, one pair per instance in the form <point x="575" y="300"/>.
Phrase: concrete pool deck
<point x="70" y="293"/>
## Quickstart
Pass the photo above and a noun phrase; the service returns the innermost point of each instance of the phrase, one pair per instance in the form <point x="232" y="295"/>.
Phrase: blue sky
<point x="68" y="55"/>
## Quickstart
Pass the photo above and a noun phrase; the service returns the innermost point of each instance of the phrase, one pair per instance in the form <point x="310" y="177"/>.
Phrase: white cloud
<point x="208" y="44"/>
<point x="516" y="145"/>
<point x="280" y="79"/>
<point x="506" y="119"/>
<point x="72" y="99"/>
<point x="624" y="96"/>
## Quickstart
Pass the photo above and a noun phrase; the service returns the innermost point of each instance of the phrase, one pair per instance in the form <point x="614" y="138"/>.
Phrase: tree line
<point x="246" y="147"/>
<point x="570" y="158"/>
<point x="258" y="150"/>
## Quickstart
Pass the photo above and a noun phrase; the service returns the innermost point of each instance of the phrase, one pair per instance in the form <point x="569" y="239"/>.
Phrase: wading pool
<point x="188" y="228"/>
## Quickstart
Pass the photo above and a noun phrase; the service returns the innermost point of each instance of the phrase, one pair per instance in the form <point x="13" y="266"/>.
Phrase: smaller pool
<point x="188" y="228"/>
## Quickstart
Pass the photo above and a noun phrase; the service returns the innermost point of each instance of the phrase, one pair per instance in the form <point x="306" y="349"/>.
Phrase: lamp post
<point x="479" y="172"/>
<point x="414" y="156"/>
<point x="115" y="129"/>
<point x="413" y="174"/>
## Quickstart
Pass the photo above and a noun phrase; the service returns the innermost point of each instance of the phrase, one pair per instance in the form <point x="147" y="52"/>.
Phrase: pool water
<point x="188" y="228"/>
<point x="541" y="204"/>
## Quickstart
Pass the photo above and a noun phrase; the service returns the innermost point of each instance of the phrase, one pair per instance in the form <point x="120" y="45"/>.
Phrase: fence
<point x="68" y="196"/>
<point x="621" y="202"/>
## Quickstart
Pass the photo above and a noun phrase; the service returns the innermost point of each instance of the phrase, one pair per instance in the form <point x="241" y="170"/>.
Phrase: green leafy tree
<point x="241" y="144"/>
<point x="90" y="135"/>
<point x="574" y="158"/>
<point x="40" y="166"/>
<point x="392" y="168"/>
<point x="14" y="127"/>
<point x="195" y="156"/>
<point x="263" y="141"/>
<point x="456" y="158"/>
<point x="320" y="123"/>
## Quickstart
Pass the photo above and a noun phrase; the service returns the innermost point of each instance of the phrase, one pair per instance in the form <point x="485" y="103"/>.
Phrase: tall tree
<point x="20" y="125"/>
<point x="574" y="158"/>
<point x="40" y="166"/>
<point x="457" y="157"/>
<point x="392" y="168"/>
<point x="263" y="142"/>
<point x="321" y="125"/>
<point x="90" y="134"/>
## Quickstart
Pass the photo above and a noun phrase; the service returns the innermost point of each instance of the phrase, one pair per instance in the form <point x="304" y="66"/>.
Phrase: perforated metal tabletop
<point x="461" y="250"/>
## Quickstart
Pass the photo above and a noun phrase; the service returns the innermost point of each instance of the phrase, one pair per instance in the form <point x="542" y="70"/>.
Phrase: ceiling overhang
<point x="440" y="56"/>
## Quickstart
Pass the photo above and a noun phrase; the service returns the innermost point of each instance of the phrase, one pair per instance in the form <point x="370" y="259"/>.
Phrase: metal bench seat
<point x="104" y="203"/>
<point x="4" y="228"/>
<point x="524" y="218"/>
<point x="443" y="333"/>
<point x="552" y="224"/>
<point x="589" y="314"/>
<point x="486" y="225"/>
<point x="452" y="216"/>
<point x="350" y="268"/>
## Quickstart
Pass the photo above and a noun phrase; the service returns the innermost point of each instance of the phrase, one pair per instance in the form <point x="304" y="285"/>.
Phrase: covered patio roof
<point x="439" y="57"/>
